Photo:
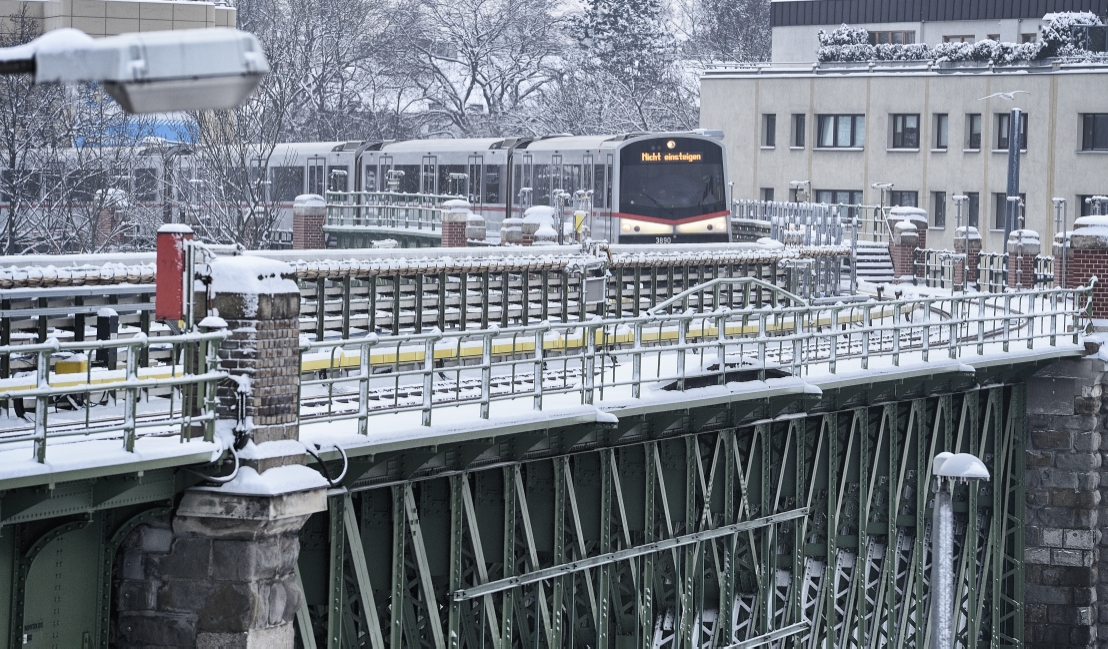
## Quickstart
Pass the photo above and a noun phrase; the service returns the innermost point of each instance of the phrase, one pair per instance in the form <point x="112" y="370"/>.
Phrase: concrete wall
<point x="798" y="44"/>
<point x="1053" y="166"/>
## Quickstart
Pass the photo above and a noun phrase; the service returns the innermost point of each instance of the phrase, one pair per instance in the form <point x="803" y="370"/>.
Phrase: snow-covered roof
<point x="443" y="145"/>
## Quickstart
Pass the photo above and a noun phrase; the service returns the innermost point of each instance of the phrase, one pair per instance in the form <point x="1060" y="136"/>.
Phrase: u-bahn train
<point x="646" y="187"/>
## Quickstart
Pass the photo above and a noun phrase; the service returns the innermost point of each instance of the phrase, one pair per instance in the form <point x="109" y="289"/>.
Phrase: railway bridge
<point x="587" y="447"/>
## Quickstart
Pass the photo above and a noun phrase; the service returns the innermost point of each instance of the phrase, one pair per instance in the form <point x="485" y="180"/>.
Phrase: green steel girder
<point x="569" y="544"/>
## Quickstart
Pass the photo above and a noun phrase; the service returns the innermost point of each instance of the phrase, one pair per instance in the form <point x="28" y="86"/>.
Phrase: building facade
<point x="796" y="23"/>
<point x="110" y="17"/>
<point x="924" y="128"/>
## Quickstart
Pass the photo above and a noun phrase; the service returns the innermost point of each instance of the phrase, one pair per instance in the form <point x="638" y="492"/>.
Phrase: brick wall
<point x="264" y="348"/>
<point x="1062" y="558"/>
<point x="1083" y="264"/>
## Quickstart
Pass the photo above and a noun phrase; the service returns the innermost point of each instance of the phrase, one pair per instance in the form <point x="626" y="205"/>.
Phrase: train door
<point x="429" y="174"/>
<point x="555" y="175"/>
<point x="525" y="182"/>
<point x="316" y="175"/>
<point x="606" y="189"/>
<point x="475" y="173"/>
<point x="385" y="165"/>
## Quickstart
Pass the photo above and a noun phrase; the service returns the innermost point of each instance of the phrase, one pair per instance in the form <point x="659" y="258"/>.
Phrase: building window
<point x="938" y="209"/>
<point x="766" y="193"/>
<point x="959" y="38"/>
<point x="896" y="37"/>
<point x="798" y="130"/>
<point x="1094" y="132"/>
<point x="1028" y="38"/>
<point x="973" y="208"/>
<point x="993" y="37"/>
<point x="905" y="131"/>
<point x="904" y="199"/>
<point x="769" y="130"/>
<point x="1087" y="206"/>
<point x="841" y="131"/>
<point x="942" y="130"/>
<point x="1002" y="120"/>
<point x="973" y="131"/>
<point x="851" y="198"/>
<point x="1000" y="202"/>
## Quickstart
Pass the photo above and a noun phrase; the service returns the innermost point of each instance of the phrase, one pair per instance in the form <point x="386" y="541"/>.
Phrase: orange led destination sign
<point x="671" y="156"/>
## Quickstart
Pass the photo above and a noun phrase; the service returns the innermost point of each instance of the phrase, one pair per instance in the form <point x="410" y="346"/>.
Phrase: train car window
<point x="338" y="178"/>
<point x="517" y="180"/>
<point x="541" y="193"/>
<point x="85" y="184"/>
<point x="369" y="184"/>
<point x="492" y="183"/>
<point x="286" y="183"/>
<point x="571" y="178"/>
<point x="26" y="185"/>
<point x="146" y="185"/>
<point x="453" y="187"/>
<point x="556" y="173"/>
<point x="409" y="184"/>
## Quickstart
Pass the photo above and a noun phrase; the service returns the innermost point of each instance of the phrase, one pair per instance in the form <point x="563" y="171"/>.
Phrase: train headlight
<point x="632" y="226"/>
<point x="717" y="225"/>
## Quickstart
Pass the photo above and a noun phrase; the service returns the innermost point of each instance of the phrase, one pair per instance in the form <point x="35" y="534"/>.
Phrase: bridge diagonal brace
<point x="420" y="552"/>
<point x="361" y="573"/>
<point x="478" y="553"/>
<point x="529" y="534"/>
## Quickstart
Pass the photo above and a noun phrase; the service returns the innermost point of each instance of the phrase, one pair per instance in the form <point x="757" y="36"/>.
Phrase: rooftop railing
<point x="395" y="210"/>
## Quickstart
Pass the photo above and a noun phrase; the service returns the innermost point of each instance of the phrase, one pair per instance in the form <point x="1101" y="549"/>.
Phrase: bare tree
<point x="476" y="62"/>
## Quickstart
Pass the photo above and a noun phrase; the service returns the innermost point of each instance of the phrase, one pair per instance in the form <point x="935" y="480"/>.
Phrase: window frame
<point x="960" y="38"/>
<point x="799" y="126"/>
<point x="973" y="209"/>
<point x="998" y="213"/>
<point x="887" y="36"/>
<point x="857" y="127"/>
<point x="769" y="131"/>
<point x="902" y="133"/>
<point x="971" y="120"/>
<point x="1089" y="131"/>
<point x="765" y="194"/>
<point x="938" y="211"/>
<point x="1002" y="131"/>
<point x="942" y="132"/>
<point x="901" y="194"/>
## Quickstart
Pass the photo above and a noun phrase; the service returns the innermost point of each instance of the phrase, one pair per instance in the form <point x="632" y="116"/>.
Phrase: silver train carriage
<point x="646" y="188"/>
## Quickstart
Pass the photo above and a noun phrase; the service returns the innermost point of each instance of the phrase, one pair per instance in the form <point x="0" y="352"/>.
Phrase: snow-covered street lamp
<point x="948" y="469"/>
<point x="149" y="72"/>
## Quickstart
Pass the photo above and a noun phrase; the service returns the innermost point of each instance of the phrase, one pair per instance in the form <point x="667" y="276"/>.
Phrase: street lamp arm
<point x="192" y="69"/>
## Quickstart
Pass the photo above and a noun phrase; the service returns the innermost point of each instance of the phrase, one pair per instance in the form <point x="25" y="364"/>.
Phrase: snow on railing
<point x="75" y="389"/>
<point x="633" y="358"/>
<point x="937" y="269"/>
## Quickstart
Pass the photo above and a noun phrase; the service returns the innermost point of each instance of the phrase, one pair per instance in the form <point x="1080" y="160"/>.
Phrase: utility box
<point x="169" y="296"/>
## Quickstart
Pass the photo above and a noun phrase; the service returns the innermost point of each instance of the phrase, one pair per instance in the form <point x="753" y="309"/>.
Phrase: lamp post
<point x="1061" y="217"/>
<point x="149" y="72"/>
<point x="948" y="468"/>
<point x="1015" y="120"/>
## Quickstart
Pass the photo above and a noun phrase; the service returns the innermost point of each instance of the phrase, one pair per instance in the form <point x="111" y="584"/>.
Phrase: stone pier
<point x="220" y="570"/>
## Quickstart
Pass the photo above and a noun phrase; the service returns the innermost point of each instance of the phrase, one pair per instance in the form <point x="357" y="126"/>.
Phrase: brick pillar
<point x="454" y="218"/>
<point x="309" y="211"/>
<point x="916" y="216"/>
<point x="1023" y="247"/>
<point x="972" y="259"/>
<point x="511" y="232"/>
<point x="1064" y="594"/>
<point x="221" y="571"/>
<point x="1088" y="258"/>
<point x="475" y="227"/>
<point x="902" y="249"/>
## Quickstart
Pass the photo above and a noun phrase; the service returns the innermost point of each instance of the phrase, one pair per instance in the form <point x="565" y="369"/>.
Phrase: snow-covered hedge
<point x="851" y="44"/>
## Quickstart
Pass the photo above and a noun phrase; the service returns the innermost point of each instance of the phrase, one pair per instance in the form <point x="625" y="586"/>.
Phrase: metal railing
<point x="936" y="269"/>
<point x="106" y="389"/>
<point x="394" y="210"/>
<point x="633" y="358"/>
<point x="806" y="224"/>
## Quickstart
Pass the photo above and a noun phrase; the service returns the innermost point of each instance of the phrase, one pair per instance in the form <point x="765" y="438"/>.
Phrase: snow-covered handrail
<point x="631" y="358"/>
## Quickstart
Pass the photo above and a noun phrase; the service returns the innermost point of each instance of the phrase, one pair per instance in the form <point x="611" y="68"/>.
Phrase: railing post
<point x="429" y="375"/>
<point x="540" y="335"/>
<point x="42" y="402"/>
<point x="130" y="404"/>
<point x="636" y="362"/>
<point x="589" y="330"/>
<point x="486" y="371"/>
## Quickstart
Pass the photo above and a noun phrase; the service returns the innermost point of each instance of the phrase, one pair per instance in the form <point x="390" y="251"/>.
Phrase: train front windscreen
<point x="672" y="190"/>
